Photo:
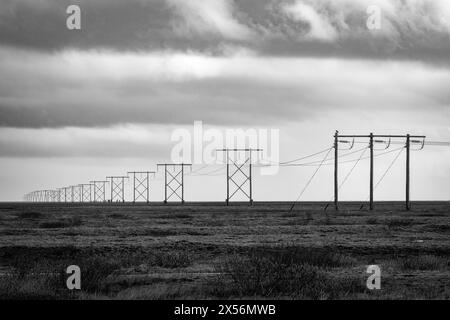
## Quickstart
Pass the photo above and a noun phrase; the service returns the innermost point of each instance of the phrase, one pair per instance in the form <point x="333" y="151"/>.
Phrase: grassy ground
<point x="203" y="251"/>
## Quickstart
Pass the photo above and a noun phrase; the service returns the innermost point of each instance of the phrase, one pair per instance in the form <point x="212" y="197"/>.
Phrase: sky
<point x="80" y="105"/>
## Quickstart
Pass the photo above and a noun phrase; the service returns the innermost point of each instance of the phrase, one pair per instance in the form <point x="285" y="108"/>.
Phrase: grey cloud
<point x="130" y="25"/>
<point x="137" y="25"/>
<point x="218" y="102"/>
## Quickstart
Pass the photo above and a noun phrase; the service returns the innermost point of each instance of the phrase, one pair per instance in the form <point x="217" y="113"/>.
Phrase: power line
<point x="388" y="168"/>
<point x="314" y="163"/>
<point x="310" y="180"/>
<point x="438" y="143"/>
<point x="290" y="164"/>
<point x="409" y="140"/>
<point x="305" y="157"/>
<point x="209" y="172"/>
<point x="199" y="169"/>
<point x="81" y="194"/>
<point x="351" y="170"/>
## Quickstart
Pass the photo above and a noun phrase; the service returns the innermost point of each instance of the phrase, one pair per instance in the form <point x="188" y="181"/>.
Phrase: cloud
<point x="410" y="29"/>
<point x="103" y="88"/>
<point x="117" y="141"/>
<point x="106" y="98"/>
<point x="114" y="24"/>
<point x="210" y="17"/>
<point x="319" y="26"/>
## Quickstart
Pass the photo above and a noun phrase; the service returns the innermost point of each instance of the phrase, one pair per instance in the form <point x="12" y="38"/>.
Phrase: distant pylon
<point x="117" y="188"/>
<point x="76" y="193"/>
<point x="67" y="194"/>
<point x="173" y="180"/>
<point x="99" y="190"/>
<point x="86" y="192"/>
<point x="141" y="185"/>
<point x="239" y="187"/>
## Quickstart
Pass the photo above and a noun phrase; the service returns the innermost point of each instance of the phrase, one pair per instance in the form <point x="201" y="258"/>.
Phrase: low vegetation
<point x="295" y="273"/>
<point x="425" y="262"/>
<point x="396" y="224"/>
<point x="61" y="223"/>
<point x="30" y="215"/>
<point x="213" y="251"/>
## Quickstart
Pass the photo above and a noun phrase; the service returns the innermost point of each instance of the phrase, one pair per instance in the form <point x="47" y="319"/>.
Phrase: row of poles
<point x="95" y="191"/>
<point x="174" y="173"/>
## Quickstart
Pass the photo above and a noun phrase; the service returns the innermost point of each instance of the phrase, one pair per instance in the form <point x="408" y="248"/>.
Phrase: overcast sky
<point x="78" y="105"/>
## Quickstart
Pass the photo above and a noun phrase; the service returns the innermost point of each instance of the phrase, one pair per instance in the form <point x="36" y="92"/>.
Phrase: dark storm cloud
<point x="122" y="25"/>
<point x="418" y="30"/>
<point x="132" y="25"/>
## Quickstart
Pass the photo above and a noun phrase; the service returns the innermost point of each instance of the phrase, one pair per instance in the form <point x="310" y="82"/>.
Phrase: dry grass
<point x="425" y="262"/>
<point x="397" y="223"/>
<point x="32" y="277"/>
<point x="295" y="273"/>
<point x="166" y="252"/>
<point x="61" y="223"/>
<point x="30" y="215"/>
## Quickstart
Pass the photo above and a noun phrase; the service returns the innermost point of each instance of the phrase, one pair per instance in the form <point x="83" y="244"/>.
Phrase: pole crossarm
<point x="141" y="185"/>
<point x="117" y="188"/>
<point x="176" y="182"/>
<point x="237" y="167"/>
<point x="379" y="136"/>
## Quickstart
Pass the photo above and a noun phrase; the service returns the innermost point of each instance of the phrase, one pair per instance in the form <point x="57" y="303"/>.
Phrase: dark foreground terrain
<point x="203" y="251"/>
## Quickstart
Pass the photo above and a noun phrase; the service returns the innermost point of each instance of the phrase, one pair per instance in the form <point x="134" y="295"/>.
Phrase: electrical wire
<point x="272" y="163"/>
<point x="289" y="163"/>
<point x="339" y="156"/>
<point x="351" y="170"/>
<point x="438" y="143"/>
<point x="199" y="169"/>
<point x="210" y="173"/>
<point x="305" y="157"/>
<point x="309" y="181"/>
<point x="388" y="168"/>
<point x="314" y="164"/>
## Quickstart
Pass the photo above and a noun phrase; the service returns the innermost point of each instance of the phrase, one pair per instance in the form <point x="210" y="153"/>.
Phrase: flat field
<point x="208" y="250"/>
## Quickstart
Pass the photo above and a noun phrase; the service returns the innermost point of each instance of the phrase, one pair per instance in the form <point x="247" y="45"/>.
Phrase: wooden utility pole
<point x="336" y="185"/>
<point x="408" y="141"/>
<point x="228" y="180"/>
<point x="371" y="172"/>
